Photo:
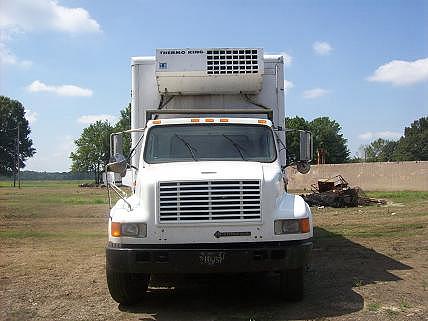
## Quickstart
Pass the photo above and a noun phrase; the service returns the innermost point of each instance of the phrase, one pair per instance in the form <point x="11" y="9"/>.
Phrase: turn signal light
<point x="224" y="120"/>
<point x="304" y="225"/>
<point x="115" y="229"/>
<point x="195" y="120"/>
<point x="209" y="120"/>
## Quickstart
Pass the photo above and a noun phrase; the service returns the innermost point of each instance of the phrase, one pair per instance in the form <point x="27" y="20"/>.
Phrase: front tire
<point x="292" y="284"/>
<point x="127" y="288"/>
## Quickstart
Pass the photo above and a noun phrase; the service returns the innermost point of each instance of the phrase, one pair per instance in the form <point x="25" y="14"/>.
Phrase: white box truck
<point x="207" y="173"/>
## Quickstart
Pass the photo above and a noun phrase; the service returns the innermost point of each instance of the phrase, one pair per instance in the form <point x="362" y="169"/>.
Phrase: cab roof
<point x="209" y="120"/>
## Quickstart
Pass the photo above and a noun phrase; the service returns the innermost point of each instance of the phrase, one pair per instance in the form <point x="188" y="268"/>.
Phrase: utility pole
<point x="18" y="165"/>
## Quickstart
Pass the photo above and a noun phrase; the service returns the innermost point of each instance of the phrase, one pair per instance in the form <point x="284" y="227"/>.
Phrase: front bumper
<point x="208" y="257"/>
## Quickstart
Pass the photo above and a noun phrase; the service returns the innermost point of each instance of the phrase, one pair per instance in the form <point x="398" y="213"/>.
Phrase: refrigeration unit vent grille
<point x="233" y="61"/>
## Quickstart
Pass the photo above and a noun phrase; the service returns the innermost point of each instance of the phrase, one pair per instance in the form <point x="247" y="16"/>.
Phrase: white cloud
<point x="402" y="73"/>
<point x="52" y="157"/>
<point x="61" y="90"/>
<point x="288" y="59"/>
<point x="8" y="58"/>
<point x="31" y="116"/>
<point x="65" y="147"/>
<point x="90" y="119"/>
<point x="288" y="84"/>
<point x="375" y="135"/>
<point x="315" y="93"/>
<point x="24" y="15"/>
<point x="322" y="48"/>
<point x="19" y="16"/>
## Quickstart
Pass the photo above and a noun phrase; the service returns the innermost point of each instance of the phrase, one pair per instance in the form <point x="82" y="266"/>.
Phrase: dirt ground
<point x="368" y="263"/>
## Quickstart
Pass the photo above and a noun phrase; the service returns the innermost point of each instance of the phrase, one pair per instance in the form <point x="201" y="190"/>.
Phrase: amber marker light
<point x="115" y="229"/>
<point x="195" y="120"/>
<point x="157" y="121"/>
<point x="304" y="225"/>
<point x="224" y="120"/>
<point x="209" y="120"/>
<point x="262" y="121"/>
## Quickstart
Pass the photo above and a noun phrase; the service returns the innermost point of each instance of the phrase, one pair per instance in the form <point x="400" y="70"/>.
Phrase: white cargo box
<point x="209" y="71"/>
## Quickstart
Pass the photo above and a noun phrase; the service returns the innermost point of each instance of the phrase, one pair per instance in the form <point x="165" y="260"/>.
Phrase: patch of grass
<point x="387" y="231"/>
<point x="400" y="197"/>
<point x="370" y="231"/>
<point x="19" y="234"/>
<point x="73" y="200"/>
<point x="404" y="305"/>
<point x="392" y="312"/>
<point x="21" y="314"/>
<point x="46" y="184"/>
<point x="24" y="234"/>
<point x="33" y="197"/>
<point x="373" y="307"/>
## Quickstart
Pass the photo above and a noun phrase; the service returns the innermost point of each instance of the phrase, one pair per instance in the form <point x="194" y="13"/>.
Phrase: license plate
<point x="211" y="258"/>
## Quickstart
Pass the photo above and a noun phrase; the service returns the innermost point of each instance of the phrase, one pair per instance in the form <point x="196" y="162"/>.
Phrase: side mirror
<point x="117" y="160"/>
<point x="306" y="152"/>
<point x="306" y="149"/>
<point x="117" y="145"/>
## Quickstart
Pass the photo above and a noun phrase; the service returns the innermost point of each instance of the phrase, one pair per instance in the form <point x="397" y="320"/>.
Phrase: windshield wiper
<point x="189" y="147"/>
<point x="236" y="145"/>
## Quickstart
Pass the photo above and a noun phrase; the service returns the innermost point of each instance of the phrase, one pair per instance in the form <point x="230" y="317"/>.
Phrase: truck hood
<point x="205" y="171"/>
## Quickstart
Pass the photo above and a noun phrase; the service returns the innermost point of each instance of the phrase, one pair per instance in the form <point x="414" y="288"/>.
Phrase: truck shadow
<point x="338" y="266"/>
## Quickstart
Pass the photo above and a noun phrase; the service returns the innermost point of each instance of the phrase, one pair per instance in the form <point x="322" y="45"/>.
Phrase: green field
<point x="369" y="263"/>
<point x="405" y="197"/>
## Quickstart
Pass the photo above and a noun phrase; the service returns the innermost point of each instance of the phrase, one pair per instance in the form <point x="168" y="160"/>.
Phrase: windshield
<point x="213" y="142"/>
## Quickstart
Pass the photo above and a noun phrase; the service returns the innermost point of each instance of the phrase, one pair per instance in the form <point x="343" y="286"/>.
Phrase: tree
<point x="124" y="123"/>
<point x="12" y="116"/>
<point x="413" y="145"/>
<point x="380" y="150"/>
<point x="326" y="136"/>
<point x="292" y="137"/>
<point x="326" y="133"/>
<point x="93" y="149"/>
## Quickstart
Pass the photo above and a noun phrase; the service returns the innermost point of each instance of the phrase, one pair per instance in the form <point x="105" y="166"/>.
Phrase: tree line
<point x="329" y="142"/>
<point x="92" y="150"/>
<point x="16" y="145"/>
<point x="51" y="176"/>
<point x="412" y="146"/>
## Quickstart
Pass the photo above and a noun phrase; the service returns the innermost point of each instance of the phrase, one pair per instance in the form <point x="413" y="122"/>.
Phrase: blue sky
<point x="362" y="63"/>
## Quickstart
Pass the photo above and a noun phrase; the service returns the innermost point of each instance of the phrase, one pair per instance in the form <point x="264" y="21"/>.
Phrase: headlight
<point x="129" y="229"/>
<point x="292" y="226"/>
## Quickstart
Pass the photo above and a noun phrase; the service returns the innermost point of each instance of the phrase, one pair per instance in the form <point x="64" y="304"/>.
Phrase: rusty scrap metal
<point x="329" y="184"/>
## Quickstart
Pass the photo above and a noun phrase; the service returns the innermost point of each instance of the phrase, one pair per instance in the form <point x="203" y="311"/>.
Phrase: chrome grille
<point x="209" y="201"/>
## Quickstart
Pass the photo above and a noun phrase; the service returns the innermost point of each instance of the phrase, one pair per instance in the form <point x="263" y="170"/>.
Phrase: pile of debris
<point x="335" y="192"/>
<point x="90" y="185"/>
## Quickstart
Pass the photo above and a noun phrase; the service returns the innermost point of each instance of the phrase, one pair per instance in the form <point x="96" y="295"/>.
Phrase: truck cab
<point x="207" y="178"/>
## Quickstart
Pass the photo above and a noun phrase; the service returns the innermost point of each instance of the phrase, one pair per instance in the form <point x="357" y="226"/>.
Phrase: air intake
<point x="232" y="61"/>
